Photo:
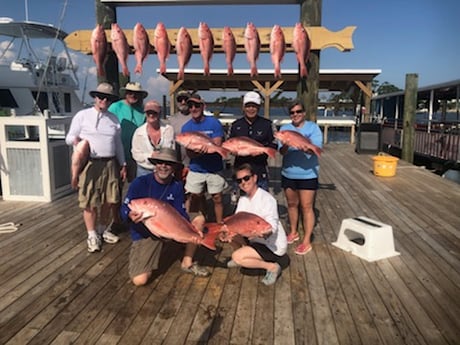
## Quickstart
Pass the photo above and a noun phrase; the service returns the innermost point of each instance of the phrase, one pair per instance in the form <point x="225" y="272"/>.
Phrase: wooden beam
<point x="321" y="38"/>
<point x="364" y="88"/>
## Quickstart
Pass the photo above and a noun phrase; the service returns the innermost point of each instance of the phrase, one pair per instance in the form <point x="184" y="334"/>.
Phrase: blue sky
<point x="395" y="36"/>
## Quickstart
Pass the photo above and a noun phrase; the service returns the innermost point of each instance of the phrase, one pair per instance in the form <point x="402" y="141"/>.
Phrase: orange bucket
<point x="384" y="165"/>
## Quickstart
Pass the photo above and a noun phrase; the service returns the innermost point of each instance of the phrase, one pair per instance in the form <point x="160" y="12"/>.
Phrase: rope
<point x="9" y="227"/>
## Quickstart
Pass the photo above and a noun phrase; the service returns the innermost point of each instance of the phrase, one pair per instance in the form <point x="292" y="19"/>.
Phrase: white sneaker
<point x="94" y="244"/>
<point x="110" y="237"/>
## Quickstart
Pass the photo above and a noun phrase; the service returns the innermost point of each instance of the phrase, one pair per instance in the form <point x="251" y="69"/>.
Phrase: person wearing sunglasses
<point x="150" y="137"/>
<point x="105" y="167"/>
<point x="260" y="129"/>
<point x="264" y="253"/>
<point x="179" y="119"/>
<point x="146" y="248"/>
<point x="205" y="169"/>
<point x="299" y="177"/>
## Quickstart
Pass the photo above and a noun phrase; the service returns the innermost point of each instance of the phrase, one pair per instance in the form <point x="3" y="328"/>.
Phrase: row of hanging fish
<point x="141" y="43"/>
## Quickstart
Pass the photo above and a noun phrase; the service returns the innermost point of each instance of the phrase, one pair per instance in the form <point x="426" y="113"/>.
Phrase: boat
<point x="38" y="97"/>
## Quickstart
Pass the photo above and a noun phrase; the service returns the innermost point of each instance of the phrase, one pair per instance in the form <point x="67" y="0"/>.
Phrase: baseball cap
<point x="251" y="97"/>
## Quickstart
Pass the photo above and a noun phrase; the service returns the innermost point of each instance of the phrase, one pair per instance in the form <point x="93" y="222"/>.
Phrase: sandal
<point x="291" y="238"/>
<point x="197" y="270"/>
<point x="302" y="249"/>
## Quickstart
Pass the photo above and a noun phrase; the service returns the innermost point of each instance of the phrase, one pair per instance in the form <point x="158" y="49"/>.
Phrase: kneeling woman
<point x="265" y="253"/>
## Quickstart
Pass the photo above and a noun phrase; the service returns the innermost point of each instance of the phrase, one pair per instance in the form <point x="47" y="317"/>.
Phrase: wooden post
<point x="106" y="15"/>
<point x="410" y="105"/>
<point x="307" y="90"/>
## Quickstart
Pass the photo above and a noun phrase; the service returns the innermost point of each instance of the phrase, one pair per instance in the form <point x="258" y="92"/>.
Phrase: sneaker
<point x="196" y="270"/>
<point x="302" y="249"/>
<point x="110" y="237"/>
<point x="94" y="244"/>
<point x="291" y="238"/>
<point x="232" y="264"/>
<point x="271" y="277"/>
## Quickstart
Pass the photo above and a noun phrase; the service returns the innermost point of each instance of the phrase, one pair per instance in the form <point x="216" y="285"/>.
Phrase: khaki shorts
<point x="144" y="256"/>
<point x="99" y="184"/>
<point x="197" y="183"/>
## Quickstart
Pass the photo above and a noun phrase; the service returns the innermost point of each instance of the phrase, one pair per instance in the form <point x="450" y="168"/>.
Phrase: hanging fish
<point x="206" y="45"/>
<point x="99" y="48"/>
<point x="277" y="48"/>
<point x="120" y="47"/>
<point x="162" y="45"/>
<point x="301" y="44"/>
<point x="252" y="46"/>
<point x="141" y="44"/>
<point x="229" y="47"/>
<point x="184" y="48"/>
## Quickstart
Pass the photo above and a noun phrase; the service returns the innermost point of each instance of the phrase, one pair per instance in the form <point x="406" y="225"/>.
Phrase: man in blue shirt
<point x="146" y="248"/>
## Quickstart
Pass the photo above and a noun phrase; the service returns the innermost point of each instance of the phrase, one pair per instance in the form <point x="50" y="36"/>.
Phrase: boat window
<point x="67" y="103"/>
<point x="42" y="101"/>
<point x="6" y="99"/>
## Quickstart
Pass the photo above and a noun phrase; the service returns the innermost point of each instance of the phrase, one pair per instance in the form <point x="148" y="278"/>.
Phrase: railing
<point x="441" y="141"/>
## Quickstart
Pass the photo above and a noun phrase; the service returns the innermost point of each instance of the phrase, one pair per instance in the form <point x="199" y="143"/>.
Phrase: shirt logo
<point x="170" y="197"/>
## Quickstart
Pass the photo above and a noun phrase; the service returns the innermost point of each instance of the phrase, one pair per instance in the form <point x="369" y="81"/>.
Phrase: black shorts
<point x="265" y="253"/>
<point x="308" y="184"/>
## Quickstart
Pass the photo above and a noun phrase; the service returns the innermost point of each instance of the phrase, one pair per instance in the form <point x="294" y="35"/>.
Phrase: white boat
<point x="38" y="97"/>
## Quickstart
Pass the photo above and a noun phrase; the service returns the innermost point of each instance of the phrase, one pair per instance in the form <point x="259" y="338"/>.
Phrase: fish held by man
<point x="206" y="45"/>
<point x="252" y="46"/>
<point x="164" y="221"/>
<point x="296" y="140"/>
<point x="277" y="48"/>
<point x="301" y="44"/>
<point x="141" y="44"/>
<point x="80" y="157"/>
<point x="244" y="146"/>
<point x="184" y="49"/>
<point x="99" y="49"/>
<point x="229" y="47"/>
<point x="120" y="47"/>
<point x="162" y="45"/>
<point x="242" y="223"/>
<point x="199" y="142"/>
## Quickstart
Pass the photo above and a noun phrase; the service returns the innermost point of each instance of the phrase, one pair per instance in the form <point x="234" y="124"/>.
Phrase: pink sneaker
<point x="302" y="249"/>
<point x="291" y="238"/>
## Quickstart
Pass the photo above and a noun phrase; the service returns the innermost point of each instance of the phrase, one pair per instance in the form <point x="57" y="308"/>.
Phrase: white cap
<point x="251" y="97"/>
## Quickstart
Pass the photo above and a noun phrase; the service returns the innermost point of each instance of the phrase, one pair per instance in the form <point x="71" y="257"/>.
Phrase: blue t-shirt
<point x="207" y="163"/>
<point x="147" y="187"/>
<point x="297" y="164"/>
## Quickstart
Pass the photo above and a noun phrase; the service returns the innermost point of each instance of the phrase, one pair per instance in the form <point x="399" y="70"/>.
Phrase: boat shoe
<point x="271" y="276"/>
<point x="196" y="270"/>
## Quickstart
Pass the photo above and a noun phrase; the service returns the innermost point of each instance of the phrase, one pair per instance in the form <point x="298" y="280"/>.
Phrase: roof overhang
<point x="198" y="2"/>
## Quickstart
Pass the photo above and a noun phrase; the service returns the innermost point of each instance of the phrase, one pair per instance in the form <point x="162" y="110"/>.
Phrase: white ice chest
<point x="366" y="238"/>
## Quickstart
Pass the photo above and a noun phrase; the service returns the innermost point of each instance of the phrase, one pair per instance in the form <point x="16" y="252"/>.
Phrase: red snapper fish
<point x="79" y="159"/>
<point x="120" y="47"/>
<point x="245" y="224"/>
<point x="301" y="44"/>
<point x="141" y="44"/>
<point x="296" y="140"/>
<point x="252" y="46"/>
<point x="99" y="48"/>
<point x="162" y="45"/>
<point x="206" y="45"/>
<point x="277" y="48"/>
<point x="244" y="146"/>
<point x="229" y="47"/>
<point x="164" y="221"/>
<point x="184" y="48"/>
<point x="199" y="142"/>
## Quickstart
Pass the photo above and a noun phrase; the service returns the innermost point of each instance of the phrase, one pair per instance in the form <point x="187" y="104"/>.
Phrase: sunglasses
<point x="132" y="93"/>
<point x="244" y="178"/>
<point x="194" y="104"/>
<point x="181" y="99"/>
<point x="102" y="97"/>
<point x="164" y="162"/>
<point x="251" y="105"/>
<point x="292" y="112"/>
<point x="152" y="113"/>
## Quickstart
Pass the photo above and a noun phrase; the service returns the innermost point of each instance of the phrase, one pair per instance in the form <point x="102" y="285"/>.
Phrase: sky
<point x="397" y="37"/>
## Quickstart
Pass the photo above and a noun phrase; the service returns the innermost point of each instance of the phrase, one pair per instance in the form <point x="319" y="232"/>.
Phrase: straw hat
<point x="104" y="89"/>
<point x="165" y="155"/>
<point x="133" y="87"/>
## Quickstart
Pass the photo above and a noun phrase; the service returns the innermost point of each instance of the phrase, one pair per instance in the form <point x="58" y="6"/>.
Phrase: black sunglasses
<point x="244" y="178"/>
<point x="102" y="96"/>
<point x="194" y="104"/>
<point x="181" y="99"/>
<point x="152" y="113"/>
<point x="292" y="112"/>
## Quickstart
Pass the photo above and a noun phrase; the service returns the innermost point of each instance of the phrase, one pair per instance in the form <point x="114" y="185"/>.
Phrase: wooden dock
<point x="52" y="291"/>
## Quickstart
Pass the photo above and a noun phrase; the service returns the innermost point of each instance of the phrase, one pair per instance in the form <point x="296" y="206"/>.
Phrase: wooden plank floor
<point x="52" y="291"/>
